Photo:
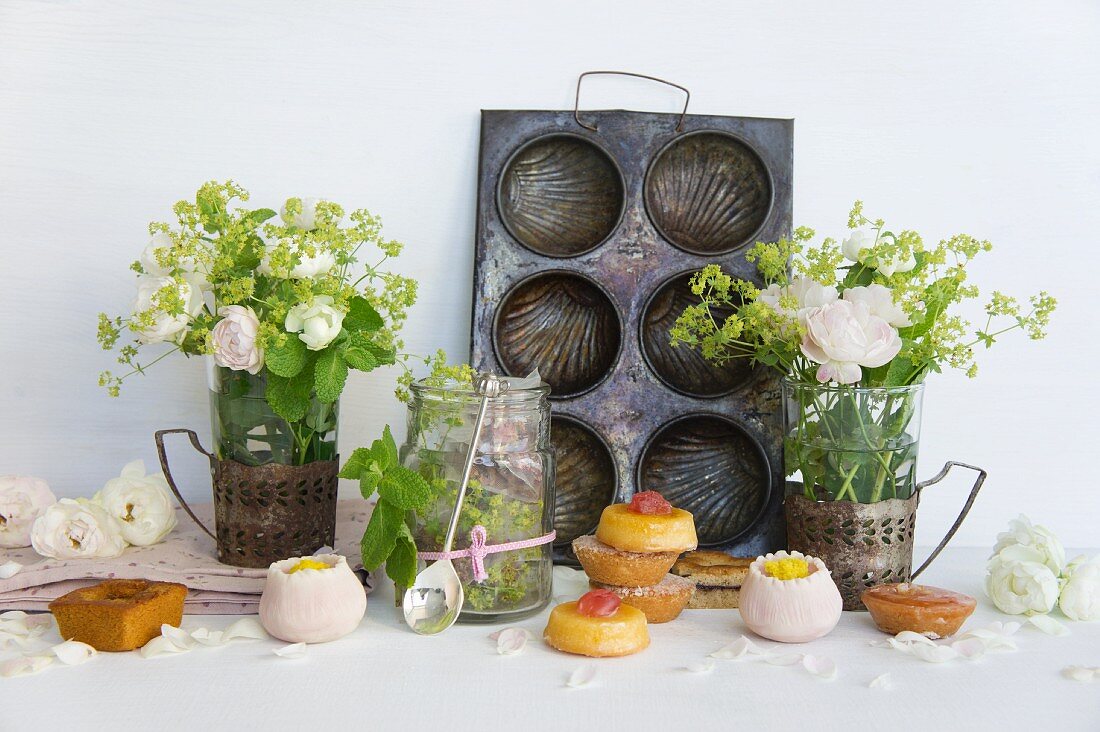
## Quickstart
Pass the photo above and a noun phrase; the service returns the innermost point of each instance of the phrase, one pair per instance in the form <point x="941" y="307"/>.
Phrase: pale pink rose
<point x="843" y="336"/>
<point x="880" y="300"/>
<point x="23" y="498"/>
<point x="802" y="290"/>
<point x="235" y="340"/>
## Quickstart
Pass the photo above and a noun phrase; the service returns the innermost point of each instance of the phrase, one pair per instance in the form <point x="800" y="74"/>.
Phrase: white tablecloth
<point x="383" y="677"/>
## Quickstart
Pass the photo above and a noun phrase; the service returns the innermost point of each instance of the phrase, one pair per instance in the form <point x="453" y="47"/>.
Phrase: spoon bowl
<point x="434" y="601"/>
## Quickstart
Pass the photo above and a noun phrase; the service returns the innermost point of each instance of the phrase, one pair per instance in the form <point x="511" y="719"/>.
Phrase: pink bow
<point x="477" y="552"/>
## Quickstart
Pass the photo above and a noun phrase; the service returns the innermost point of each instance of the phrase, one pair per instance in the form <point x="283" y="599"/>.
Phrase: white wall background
<point x="943" y="116"/>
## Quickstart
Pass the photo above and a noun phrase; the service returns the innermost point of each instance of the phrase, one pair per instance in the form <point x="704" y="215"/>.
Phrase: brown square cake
<point x="717" y="577"/>
<point x="118" y="615"/>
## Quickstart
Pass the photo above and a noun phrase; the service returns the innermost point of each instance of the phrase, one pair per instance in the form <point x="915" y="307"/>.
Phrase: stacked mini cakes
<point x="633" y="550"/>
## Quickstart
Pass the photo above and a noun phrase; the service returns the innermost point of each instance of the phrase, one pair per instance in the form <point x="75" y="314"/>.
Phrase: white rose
<point x="805" y="292"/>
<point x="149" y="263"/>
<point x="165" y="326"/>
<point x="76" y="529"/>
<point x="317" y="323"/>
<point x="23" y="498"/>
<point x="140" y="503"/>
<point x="880" y="300"/>
<point x="1021" y="532"/>
<point x="862" y="240"/>
<point x="843" y="336"/>
<point x="1080" y="598"/>
<point x="1018" y="582"/>
<point x="305" y="267"/>
<point x="307" y="219"/>
<point x="235" y="340"/>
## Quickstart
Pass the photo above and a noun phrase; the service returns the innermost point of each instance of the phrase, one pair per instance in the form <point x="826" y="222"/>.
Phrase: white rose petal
<point x="140" y="504"/>
<point x="583" y="676"/>
<point x="160" y="646"/>
<point x="908" y="636"/>
<point x="23" y="498"/>
<point x="207" y="637"/>
<point x="1080" y="596"/>
<point x="306" y="219"/>
<point x="843" y="337"/>
<point x="246" y="629"/>
<point x="1048" y="625"/>
<point x="73" y="653"/>
<point x="294" y="650"/>
<point x="511" y="641"/>
<point x="884" y="682"/>
<point x="933" y="653"/>
<point x="788" y="659"/>
<point x="24" y="665"/>
<point x="1081" y="673"/>
<point x="738" y="649"/>
<point x="806" y="293"/>
<point x="970" y="649"/>
<point x="856" y="248"/>
<point x="701" y="667"/>
<point x="316" y="322"/>
<point x="1022" y="533"/>
<point x="820" y="666"/>
<point x="9" y="569"/>
<point x="75" y="530"/>
<point x="149" y="301"/>
<point x="880" y="301"/>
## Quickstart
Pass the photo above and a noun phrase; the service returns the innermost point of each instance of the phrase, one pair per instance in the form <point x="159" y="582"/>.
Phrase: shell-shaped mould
<point x="585" y="479"/>
<point x="710" y="466"/>
<point x="682" y="367"/>
<point x="560" y="195"/>
<point x="563" y="324"/>
<point x="708" y="193"/>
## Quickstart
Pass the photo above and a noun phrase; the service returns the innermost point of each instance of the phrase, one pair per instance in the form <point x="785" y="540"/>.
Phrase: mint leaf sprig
<point x="388" y="538"/>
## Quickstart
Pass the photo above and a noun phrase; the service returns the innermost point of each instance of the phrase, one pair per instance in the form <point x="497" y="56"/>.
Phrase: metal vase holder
<point x="866" y="544"/>
<point x="264" y="513"/>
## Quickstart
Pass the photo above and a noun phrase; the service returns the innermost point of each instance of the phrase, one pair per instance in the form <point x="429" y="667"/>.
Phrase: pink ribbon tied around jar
<point x="479" y="549"/>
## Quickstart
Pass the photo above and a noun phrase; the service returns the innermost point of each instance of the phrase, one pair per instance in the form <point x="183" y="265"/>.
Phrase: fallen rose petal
<point x="908" y="636"/>
<point x="294" y="650"/>
<point x="701" y="667"/>
<point x="496" y="635"/>
<point x="883" y="682"/>
<point x="246" y="628"/>
<point x="738" y="649"/>
<point x="820" y="666"/>
<point x="73" y="653"/>
<point x="1081" y="673"/>
<point x="24" y="665"/>
<point x="208" y="637"/>
<point x="511" y="641"/>
<point x="789" y="659"/>
<point x="1048" y="625"/>
<point x="934" y="653"/>
<point x="994" y="638"/>
<point x="970" y="648"/>
<point x="161" y="645"/>
<point x="9" y="569"/>
<point x="581" y="677"/>
<point x="178" y="636"/>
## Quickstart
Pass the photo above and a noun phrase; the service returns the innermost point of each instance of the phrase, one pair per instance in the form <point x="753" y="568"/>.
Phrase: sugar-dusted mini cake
<point x="598" y="625"/>
<point x="647" y="524"/>
<point x="930" y="611"/>
<point x="118" y="615"/>
<point x="661" y="602"/>
<point x="610" y="566"/>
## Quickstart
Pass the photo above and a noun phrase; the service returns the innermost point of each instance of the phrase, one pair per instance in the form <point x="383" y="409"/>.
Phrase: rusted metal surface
<point x="583" y="285"/>
<point x="265" y="513"/>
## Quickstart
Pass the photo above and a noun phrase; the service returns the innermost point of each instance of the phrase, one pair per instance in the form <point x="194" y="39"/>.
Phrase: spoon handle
<point x="488" y="386"/>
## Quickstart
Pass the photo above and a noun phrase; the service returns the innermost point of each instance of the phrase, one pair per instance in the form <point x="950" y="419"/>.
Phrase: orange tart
<point x="597" y="625"/>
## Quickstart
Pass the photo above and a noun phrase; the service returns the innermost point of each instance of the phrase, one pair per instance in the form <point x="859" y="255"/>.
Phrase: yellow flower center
<point x="308" y="564"/>
<point x="786" y="569"/>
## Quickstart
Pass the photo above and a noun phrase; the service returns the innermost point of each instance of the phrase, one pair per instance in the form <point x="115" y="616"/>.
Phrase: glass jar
<point x="246" y="429"/>
<point x="849" y="443"/>
<point x="510" y="494"/>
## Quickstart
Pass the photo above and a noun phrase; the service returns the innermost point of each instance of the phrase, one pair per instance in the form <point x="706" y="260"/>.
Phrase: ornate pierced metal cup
<point x="866" y="544"/>
<point x="264" y="513"/>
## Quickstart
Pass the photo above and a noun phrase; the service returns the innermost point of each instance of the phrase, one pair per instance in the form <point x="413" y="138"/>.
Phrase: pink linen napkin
<point x="187" y="556"/>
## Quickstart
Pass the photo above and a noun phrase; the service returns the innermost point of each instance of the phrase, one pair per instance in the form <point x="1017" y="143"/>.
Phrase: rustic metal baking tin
<point x="585" y="241"/>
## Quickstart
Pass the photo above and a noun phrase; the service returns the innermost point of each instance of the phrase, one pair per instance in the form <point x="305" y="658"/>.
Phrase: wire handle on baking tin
<point x="593" y="127"/>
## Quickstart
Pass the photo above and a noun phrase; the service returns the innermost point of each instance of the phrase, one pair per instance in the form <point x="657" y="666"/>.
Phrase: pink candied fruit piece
<point x="598" y="604"/>
<point x="651" y="503"/>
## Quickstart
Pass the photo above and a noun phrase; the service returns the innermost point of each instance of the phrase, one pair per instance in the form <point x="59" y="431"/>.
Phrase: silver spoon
<point x="435" y="599"/>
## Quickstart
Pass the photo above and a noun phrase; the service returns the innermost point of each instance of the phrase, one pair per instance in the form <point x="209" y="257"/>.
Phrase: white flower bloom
<point x="305" y="267"/>
<point x="76" y="530"/>
<point x="140" y="503"/>
<point x="843" y="336"/>
<point x="1080" y="598"/>
<point x="880" y="300"/>
<point x="23" y="498"/>
<point x="862" y="240"/>
<point x="235" y="340"/>
<point x="165" y="326"/>
<point x="1019" y="582"/>
<point x="1021" y="532"/>
<point x="307" y="219"/>
<point x="149" y="263"/>
<point x="806" y="292"/>
<point x="317" y="323"/>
